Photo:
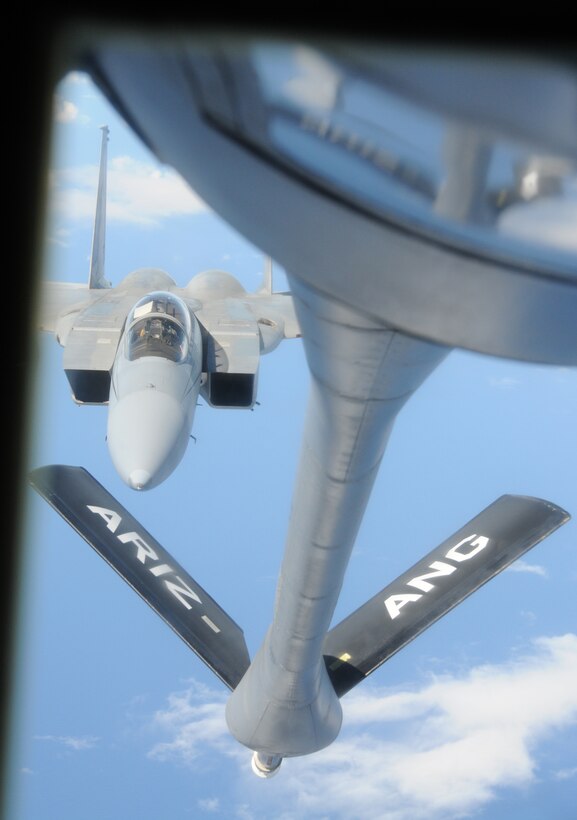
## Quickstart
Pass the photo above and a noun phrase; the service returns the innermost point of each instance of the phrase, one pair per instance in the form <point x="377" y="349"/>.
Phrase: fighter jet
<point x="148" y="349"/>
<point x="386" y="163"/>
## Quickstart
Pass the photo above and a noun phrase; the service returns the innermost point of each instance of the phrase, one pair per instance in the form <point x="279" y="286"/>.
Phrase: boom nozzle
<point x="264" y="765"/>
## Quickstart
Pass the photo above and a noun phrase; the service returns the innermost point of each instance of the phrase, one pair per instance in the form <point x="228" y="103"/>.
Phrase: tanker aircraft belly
<point x="386" y="278"/>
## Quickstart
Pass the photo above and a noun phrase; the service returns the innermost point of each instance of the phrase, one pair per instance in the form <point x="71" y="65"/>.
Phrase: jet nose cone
<point x="148" y="431"/>
<point x="139" y="479"/>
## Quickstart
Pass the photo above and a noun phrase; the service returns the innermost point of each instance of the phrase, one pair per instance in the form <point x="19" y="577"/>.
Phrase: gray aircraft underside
<point x="380" y="301"/>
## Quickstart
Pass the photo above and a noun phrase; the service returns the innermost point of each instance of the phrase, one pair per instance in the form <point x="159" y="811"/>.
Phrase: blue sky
<point x="116" y="718"/>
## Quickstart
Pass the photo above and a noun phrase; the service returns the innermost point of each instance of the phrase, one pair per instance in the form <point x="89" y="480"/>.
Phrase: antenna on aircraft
<point x="96" y="278"/>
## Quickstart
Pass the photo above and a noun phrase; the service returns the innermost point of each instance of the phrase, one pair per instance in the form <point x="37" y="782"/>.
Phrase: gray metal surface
<point x="417" y="283"/>
<point x="362" y="375"/>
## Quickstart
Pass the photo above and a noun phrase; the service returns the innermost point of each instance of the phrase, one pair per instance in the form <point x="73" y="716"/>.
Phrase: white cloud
<point x="523" y="566"/>
<point x="65" y="111"/>
<point x="78" y="78"/>
<point x="194" y="720"/>
<point x="566" y="774"/>
<point x="72" y="90"/>
<point x="441" y="751"/>
<point x="211" y="804"/>
<point x="504" y="382"/>
<point x="75" y="743"/>
<point x="60" y="236"/>
<point x="137" y="193"/>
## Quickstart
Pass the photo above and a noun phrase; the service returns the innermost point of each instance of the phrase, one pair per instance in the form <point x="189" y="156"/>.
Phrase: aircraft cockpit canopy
<point x="159" y="325"/>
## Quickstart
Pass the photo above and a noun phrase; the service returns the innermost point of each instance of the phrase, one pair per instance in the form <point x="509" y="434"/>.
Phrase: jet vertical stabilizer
<point x="266" y="286"/>
<point x="96" y="278"/>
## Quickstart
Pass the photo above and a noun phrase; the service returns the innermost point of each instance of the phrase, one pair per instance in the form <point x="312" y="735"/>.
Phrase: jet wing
<point x="57" y="300"/>
<point x="275" y="308"/>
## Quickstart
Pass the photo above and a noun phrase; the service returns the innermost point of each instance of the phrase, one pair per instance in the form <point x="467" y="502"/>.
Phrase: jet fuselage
<point x="154" y="389"/>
